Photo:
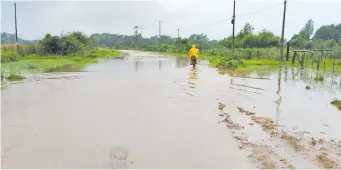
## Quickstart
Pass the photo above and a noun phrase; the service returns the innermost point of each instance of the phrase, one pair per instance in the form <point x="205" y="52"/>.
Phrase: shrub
<point x="9" y="57"/>
<point x="15" y="77"/>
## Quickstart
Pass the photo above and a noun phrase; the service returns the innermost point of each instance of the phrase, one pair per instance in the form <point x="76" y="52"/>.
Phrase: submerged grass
<point x="15" y="77"/>
<point x="337" y="103"/>
<point x="56" y="63"/>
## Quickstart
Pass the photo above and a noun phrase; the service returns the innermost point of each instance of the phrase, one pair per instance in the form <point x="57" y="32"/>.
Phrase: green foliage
<point x="15" y="77"/>
<point x="329" y="32"/>
<point x="247" y="30"/>
<point x="159" y="48"/>
<point x="318" y="78"/>
<point x="246" y="39"/>
<point x="308" y="29"/>
<point x="325" y="37"/>
<point x="10" y="56"/>
<point x="66" y="44"/>
<point x="336" y="103"/>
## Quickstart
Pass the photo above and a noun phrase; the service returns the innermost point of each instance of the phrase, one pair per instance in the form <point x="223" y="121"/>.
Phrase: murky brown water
<point x="154" y="113"/>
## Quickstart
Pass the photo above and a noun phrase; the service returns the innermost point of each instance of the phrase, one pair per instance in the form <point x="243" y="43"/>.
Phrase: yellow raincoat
<point x="193" y="52"/>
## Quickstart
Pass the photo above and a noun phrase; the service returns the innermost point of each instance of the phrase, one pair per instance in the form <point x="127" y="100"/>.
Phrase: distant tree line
<point x="247" y="39"/>
<point x="327" y="36"/>
<point x="7" y="38"/>
<point x="49" y="45"/>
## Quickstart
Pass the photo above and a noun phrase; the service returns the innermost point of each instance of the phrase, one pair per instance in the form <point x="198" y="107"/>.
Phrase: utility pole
<point x="136" y="33"/>
<point x="178" y="40"/>
<point x="141" y="32"/>
<point x="16" y="28"/>
<point x="283" y="26"/>
<point x="160" y="28"/>
<point x="233" y="22"/>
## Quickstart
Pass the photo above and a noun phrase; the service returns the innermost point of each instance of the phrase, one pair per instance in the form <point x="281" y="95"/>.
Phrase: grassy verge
<point x="259" y="63"/>
<point x="15" y="77"/>
<point x="54" y="63"/>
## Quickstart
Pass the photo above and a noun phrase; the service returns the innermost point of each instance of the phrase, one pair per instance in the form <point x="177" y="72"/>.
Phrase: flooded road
<point x="151" y="111"/>
<point x="156" y="114"/>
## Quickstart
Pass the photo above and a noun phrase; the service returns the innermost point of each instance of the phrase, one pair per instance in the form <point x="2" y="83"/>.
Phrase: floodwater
<point x="151" y="111"/>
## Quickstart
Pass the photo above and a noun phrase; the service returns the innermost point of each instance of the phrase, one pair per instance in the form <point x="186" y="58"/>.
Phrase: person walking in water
<point x="193" y="55"/>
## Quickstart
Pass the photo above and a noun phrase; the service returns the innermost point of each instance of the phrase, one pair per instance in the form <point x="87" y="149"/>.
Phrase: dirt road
<point x="149" y="113"/>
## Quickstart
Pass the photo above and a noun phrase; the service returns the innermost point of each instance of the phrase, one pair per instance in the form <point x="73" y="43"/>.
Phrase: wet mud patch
<point x="119" y="158"/>
<point x="284" y="149"/>
<point x="292" y="141"/>
<point x="221" y="106"/>
<point x="230" y="123"/>
<point x="267" y="124"/>
<point x="247" y="113"/>
<point x="260" y="154"/>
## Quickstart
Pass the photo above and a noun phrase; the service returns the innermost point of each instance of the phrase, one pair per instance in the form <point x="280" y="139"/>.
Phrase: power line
<point x="210" y="25"/>
<point x="259" y="10"/>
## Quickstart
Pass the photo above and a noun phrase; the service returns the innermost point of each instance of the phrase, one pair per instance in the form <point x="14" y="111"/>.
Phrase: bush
<point x="9" y="57"/>
<point x="15" y="77"/>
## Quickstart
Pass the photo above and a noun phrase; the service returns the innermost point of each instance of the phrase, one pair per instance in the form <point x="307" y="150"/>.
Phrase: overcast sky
<point x="212" y="17"/>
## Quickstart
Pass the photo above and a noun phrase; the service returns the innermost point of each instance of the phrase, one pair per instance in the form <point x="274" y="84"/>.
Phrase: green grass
<point x="337" y="103"/>
<point x="15" y="77"/>
<point x="261" y="59"/>
<point x="256" y="64"/>
<point x="54" y="63"/>
<point x="319" y="78"/>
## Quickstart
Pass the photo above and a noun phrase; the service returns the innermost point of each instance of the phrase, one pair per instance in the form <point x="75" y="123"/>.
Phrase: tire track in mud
<point x="279" y="148"/>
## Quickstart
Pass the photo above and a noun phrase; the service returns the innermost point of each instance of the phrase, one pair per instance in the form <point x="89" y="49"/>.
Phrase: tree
<point x="308" y="29"/>
<point x="329" y="32"/>
<point x="7" y="38"/>
<point x="247" y="29"/>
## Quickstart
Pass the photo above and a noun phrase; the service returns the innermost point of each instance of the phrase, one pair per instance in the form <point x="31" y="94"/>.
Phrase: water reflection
<point x="138" y="65"/>
<point x="193" y="77"/>
<point x="278" y="92"/>
<point x="180" y="62"/>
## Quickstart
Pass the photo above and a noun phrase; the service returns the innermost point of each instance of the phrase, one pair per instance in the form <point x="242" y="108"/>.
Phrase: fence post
<point x="293" y="58"/>
<point x="318" y="63"/>
<point x="303" y="56"/>
<point x="333" y="66"/>
<point x="288" y="46"/>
